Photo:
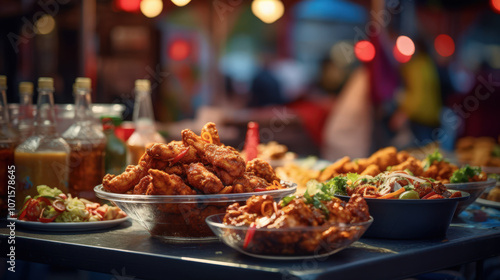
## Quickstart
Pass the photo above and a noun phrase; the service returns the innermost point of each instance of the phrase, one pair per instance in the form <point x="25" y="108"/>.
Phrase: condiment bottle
<point x="8" y="141"/>
<point x="26" y="120"/>
<point x="115" y="161"/>
<point x="43" y="158"/>
<point x="145" y="132"/>
<point x="87" y="144"/>
<point x="252" y="141"/>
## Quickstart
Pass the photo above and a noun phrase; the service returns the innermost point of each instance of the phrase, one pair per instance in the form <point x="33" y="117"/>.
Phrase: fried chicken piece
<point x="333" y="169"/>
<point x="177" y="169"/>
<point x="441" y="171"/>
<point x="412" y="164"/>
<point x="263" y="169"/>
<point x="371" y="170"/>
<point x="129" y="178"/>
<point x="172" y="151"/>
<point x="384" y="157"/>
<point x="249" y="182"/>
<point x="202" y="179"/>
<point x="230" y="164"/>
<point x="362" y="163"/>
<point x="143" y="185"/>
<point x="350" y="167"/>
<point x="402" y="156"/>
<point x="212" y="131"/>
<point x="165" y="184"/>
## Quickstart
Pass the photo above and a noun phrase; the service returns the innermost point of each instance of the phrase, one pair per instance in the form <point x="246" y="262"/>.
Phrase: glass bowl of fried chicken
<point x="175" y="186"/>
<point x="296" y="227"/>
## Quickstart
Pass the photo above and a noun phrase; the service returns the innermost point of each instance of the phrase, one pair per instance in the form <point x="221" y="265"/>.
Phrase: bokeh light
<point x="128" y="5"/>
<point x="495" y="6"/>
<point x="400" y="57"/>
<point x="181" y="3"/>
<point x="45" y="24"/>
<point x="179" y="50"/>
<point x="444" y="44"/>
<point x="151" y="8"/>
<point x="405" y="46"/>
<point x="268" y="11"/>
<point x="364" y="51"/>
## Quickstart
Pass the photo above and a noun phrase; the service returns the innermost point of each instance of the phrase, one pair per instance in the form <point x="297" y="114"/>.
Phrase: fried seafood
<point x="197" y="164"/>
<point x="202" y="179"/>
<point x="166" y="184"/>
<point x="262" y="169"/>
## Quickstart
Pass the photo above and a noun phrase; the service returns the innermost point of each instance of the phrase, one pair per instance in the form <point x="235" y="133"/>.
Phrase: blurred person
<point x="265" y="88"/>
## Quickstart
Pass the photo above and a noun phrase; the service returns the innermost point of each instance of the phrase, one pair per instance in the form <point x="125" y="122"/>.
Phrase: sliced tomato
<point x="59" y="205"/>
<point x="33" y="210"/>
<point x="429" y="195"/>
<point x="47" y="220"/>
<point x="249" y="235"/>
<point x="63" y="196"/>
<point x="23" y="209"/>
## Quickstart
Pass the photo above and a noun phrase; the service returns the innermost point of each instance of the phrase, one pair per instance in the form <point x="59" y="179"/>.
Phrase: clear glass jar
<point x="116" y="151"/>
<point x="145" y="132"/>
<point x="43" y="158"/>
<point x="87" y="144"/>
<point x="8" y="141"/>
<point x="26" y="109"/>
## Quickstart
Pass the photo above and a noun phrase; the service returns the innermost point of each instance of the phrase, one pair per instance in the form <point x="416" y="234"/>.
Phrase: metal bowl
<point x="410" y="218"/>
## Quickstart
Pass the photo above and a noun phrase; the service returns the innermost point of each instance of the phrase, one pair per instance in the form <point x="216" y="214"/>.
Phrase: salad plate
<point x="73" y="226"/>
<point x="489" y="203"/>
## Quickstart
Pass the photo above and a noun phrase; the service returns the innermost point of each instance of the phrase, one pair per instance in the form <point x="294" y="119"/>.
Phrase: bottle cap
<point x="83" y="82"/>
<point x="26" y="87"/>
<point x="46" y="82"/>
<point x="3" y="81"/>
<point x="143" y="85"/>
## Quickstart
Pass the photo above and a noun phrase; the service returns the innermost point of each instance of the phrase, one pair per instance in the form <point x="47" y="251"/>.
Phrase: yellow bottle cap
<point x="83" y="82"/>
<point x="143" y="85"/>
<point x="45" y="82"/>
<point x="26" y="87"/>
<point x="3" y="81"/>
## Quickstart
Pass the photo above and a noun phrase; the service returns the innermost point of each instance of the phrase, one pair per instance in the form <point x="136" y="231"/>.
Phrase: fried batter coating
<point x="169" y="152"/>
<point x="384" y="157"/>
<point x="222" y="158"/>
<point x="202" y="179"/>
<point x="143" y="185"/>
<point x="177" y="169"/>
<point x="263" y="169"/>
<point x="128" y="179"/>
<point x="371" y="170"/>
<point x="249" y="182"/>
<point x="165" y="184"/>
<point x="412" y="164"/>
<point x="441" y="171"/>
<point x="402" y="156"/>
<point x="211" y="129"/>
<point x="333" y="169"/>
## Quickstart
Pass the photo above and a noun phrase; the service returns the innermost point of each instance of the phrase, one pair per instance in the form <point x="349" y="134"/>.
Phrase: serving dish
<point x="475" y="189"/>
<point x="181" y="217"/>
<point x="256" y="242"/>
<point x="67" y="227"/>
<point x="488" y="203"/>
<point x="410" y="218"/>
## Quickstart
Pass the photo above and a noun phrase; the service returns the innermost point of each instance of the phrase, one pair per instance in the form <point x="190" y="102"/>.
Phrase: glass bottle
<point x="87" y="144"/>
<point x="26" y="121"/>
<point x="145" y="131"/>
<point x="8" y="141"/>
<point x="116" y="151"/>
<point x="43" y="158"/>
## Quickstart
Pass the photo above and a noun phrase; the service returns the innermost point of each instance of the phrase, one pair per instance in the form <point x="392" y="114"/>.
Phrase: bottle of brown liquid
<point x="43" y="158"/>
<point x="8" y="141"/>
<point x="87" y="143"/>
<point x="145" y="132"/>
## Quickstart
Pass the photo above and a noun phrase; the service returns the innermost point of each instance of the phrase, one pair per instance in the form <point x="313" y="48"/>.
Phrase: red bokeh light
<point x="364" y="51"/>
<point x="401" y="58"/>
<point x="128" y="5"/>
<point x="444" y="44"/>
<point x="179" y="50"/>
<point x="495" y="6"/>
<point x="405" y="46"/>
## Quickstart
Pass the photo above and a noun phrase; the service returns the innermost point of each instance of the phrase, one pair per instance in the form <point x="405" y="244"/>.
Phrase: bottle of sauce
<point x="115" y="161"/>
<point x="87" y="144"/>
<point x="26" y="120"/>
<point x="145" y="132"/>
<point x="8" y="142"/>
<point x="43" y="158"/>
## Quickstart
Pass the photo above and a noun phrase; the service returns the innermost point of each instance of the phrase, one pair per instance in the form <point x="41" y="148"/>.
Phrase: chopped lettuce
<point x="44" y="190"/>
<point x="464" y="174"/>
<point x="338" y="184"/>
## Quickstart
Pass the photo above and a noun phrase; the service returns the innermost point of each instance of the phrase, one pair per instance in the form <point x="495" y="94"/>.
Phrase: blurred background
<point x="323" y="77"/>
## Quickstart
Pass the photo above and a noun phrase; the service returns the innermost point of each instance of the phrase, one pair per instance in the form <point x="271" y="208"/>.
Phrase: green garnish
<point x="287" y="199"/>
<point x="496" y="151"/>
<point x="353" y="177"/>
<point x="436" y="156"/>
<point x="464" y="174"/>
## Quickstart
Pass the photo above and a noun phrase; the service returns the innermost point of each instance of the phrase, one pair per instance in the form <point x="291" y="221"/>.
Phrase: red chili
<point x="47" y="220"/>
<point x="180" y="156"/>
<point x="429" y="195"/>
<point x="249" y="235"/>
<point x="23" y="210"/>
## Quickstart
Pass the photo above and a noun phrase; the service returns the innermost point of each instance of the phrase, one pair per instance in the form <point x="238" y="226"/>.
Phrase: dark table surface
<point x="129" y="250"/>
